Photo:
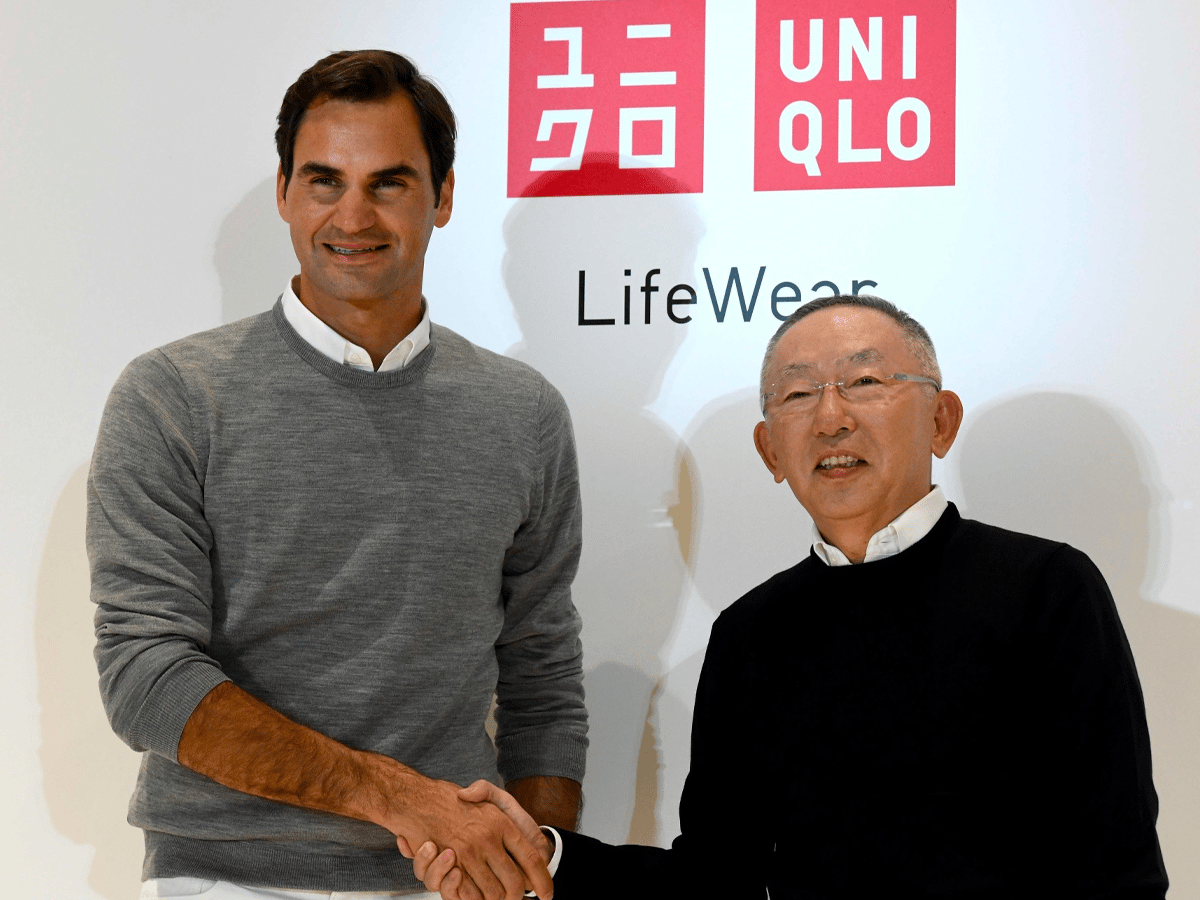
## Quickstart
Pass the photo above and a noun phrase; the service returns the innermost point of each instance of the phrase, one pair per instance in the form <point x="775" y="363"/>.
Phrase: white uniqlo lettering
<point x="574" y="77"/>
<point x="847" y="152"/>
<point x="870" y="56"/>
<point x="835" y="108"/>
<point x="921" y="111"/>
<point x="635" y="79"/>
<point x="787" y="144"/>
<point x="787" y="51"/>
<point x="590" y="80"/>
<point x="581" y="119"/>
<point x="663" y="160"/>
<point x="869" y="53"/>
<point x="664" y="115"/>
<point x="850" y="44"/>
<point x="909" y="51"/>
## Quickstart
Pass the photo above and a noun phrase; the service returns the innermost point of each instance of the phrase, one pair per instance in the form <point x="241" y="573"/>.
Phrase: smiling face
<point x="854" y="466"/>
<point x="360" y="206"/>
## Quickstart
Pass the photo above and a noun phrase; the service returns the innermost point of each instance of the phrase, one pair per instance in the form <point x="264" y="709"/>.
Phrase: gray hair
<point x="915" y="335"/>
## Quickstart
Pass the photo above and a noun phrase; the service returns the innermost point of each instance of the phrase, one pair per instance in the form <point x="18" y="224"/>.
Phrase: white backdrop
<point x="1056" y="277"/>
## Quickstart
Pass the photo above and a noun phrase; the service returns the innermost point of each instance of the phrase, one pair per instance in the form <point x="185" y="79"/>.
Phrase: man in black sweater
<point x="925" y="706"/>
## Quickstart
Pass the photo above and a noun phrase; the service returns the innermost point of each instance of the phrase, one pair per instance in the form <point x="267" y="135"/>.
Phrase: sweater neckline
<point x="348" y="375"/>
<point x="931" y="544"/>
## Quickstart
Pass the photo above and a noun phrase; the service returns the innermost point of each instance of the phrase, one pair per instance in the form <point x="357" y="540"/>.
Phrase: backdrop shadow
<point x="87" y="772"/>
<point x="1071" y="468"/>
<point x="632" y="573"/>
<point x="253" y="255"/>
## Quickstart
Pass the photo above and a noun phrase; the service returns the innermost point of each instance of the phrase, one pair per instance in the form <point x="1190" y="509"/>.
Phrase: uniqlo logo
<point x="854" y="94"/>
<point x="616" y="81"/>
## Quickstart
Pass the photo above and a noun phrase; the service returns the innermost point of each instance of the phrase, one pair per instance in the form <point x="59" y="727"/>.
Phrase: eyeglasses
<point x="801" y="395"/>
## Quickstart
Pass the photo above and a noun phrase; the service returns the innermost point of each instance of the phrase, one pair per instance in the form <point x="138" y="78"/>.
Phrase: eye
<point x="391" y="185"/>
<point x="797" y="394"/>
<point x="866" y="380"/>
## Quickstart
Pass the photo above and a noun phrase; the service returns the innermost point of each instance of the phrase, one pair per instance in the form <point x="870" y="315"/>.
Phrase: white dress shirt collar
<point x="331" y="344"/>
<point x="904" y="531"/>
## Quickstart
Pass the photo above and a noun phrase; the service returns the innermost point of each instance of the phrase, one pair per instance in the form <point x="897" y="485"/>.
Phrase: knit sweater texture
<point x="960" y="720"/>
<point x="373" y="555"/>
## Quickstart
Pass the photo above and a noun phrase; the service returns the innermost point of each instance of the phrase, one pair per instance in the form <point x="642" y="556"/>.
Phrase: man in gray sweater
<point x="322" y="538"/>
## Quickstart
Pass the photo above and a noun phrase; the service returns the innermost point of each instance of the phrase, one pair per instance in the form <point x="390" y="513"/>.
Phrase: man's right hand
<point x="242" y="743"/>
<point x="437" y="866"/>
<point x="495" y="857"/>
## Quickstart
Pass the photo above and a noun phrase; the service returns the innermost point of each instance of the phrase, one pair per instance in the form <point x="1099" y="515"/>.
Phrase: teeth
<point x="346" y="252"/>
<point x="834" y="461"/>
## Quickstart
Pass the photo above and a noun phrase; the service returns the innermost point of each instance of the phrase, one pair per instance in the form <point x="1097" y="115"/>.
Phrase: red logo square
<point x="853" y="94"/>
<point x="606" y="97"/>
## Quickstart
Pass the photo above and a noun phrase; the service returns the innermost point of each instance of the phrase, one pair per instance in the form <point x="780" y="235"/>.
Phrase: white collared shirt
<point x="904" y="531"/>
<point x="331" y="344"/>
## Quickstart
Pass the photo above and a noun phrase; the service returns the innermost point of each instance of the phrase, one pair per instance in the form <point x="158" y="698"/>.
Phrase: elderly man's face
<point x="853" y="465"/>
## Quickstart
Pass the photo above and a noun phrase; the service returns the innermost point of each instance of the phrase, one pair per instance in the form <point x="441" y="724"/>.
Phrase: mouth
<point x="353" y="251"/>
<point x="840" y="462"/>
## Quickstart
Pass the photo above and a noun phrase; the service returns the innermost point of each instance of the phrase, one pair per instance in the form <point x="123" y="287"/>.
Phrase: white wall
<point x="1056" y="275"/>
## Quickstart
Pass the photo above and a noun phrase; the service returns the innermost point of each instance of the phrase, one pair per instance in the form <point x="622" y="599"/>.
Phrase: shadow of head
<point x="1069" y="468"/>
<point x="253" y="255"/>
<point x="746" y="527"/>
<point x="1074" y="469"/>
<point x="550" y="238"/>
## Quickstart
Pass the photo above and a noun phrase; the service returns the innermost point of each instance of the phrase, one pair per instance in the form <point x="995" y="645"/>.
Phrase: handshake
<point x="476" y="871"/>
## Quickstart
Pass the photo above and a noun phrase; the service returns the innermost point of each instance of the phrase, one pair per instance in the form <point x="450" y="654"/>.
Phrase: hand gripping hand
<point x="439" y="870"/>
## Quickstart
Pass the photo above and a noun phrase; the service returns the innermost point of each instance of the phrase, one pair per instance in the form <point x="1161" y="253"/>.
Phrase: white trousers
<point x="172" y="888"/>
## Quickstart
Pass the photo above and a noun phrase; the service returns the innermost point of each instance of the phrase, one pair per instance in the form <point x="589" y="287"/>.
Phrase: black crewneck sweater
<point x="962" y="719"/>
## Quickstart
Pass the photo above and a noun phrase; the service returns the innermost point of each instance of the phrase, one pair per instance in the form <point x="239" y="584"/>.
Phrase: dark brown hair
<point x="361" y="76"/>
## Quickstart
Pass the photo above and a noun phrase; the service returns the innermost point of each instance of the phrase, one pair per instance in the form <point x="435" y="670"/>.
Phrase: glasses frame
<point x="819" y="386"/>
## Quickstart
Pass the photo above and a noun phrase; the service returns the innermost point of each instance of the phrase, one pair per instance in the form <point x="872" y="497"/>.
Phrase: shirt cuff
<point x="555" y="857"/>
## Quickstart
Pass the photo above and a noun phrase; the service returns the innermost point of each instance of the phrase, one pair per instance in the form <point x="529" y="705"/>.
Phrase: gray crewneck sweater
<point x="373" y="555"/>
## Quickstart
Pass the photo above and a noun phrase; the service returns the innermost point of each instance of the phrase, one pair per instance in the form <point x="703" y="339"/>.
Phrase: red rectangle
<point x="854" y="94"/>
<point x="606" y="97"/>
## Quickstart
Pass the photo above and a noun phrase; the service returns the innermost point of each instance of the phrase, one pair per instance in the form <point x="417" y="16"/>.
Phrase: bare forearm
<point x="242" y="743"/>
<point x="549" y="800"/>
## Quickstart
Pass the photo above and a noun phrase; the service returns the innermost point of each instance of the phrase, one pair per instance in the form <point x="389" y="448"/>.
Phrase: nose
<point x="355" y="211"/>
<point x="832" y="414"/>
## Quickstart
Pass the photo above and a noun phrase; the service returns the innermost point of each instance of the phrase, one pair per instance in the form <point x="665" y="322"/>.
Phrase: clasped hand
<point x="461" y="869"/>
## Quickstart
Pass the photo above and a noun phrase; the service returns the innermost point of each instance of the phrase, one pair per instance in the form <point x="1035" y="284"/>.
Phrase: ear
<point x="445" y="201"/>
<point x="280" y="189"/>
<point x="947" y="416"/>
<point x="762" y="443"/>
